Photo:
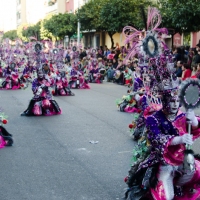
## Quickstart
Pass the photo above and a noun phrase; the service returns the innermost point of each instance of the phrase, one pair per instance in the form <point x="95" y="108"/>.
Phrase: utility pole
<point x="78" y="29"/>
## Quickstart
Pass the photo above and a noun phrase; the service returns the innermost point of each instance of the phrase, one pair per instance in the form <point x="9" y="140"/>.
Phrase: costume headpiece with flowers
<point x="154" y="53"/>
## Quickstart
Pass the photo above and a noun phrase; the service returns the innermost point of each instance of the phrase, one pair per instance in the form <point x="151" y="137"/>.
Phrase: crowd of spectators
<point x="187" y="62"/>
<point x="186" y="59"/>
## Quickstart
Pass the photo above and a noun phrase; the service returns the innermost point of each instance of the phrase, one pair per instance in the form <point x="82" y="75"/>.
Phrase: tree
<point x="20" y="28"/>
<point x="12" y="35"/>
<point x="112" y="16"/>
<point x="61" y="25"/>
<point x="32" y="31"/>
<point x="89" y="15"/>
<point x="117" y="14"/>
<point x="181" y="15"/>
<point x="44" y="33"/>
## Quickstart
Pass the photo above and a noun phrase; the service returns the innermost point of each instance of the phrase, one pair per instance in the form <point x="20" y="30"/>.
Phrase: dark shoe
<point x="72" y="94"/>
<point x="25" y="114"/>
<point x="9" y="143"/>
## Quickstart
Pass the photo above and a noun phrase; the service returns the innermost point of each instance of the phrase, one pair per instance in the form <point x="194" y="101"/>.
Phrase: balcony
<point x="52" y="8"/>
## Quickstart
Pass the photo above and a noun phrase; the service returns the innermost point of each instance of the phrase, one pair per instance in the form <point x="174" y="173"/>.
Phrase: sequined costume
<point x="42" y="102"/>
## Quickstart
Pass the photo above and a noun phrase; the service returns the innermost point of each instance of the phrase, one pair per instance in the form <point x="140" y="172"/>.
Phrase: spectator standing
<point x="179" y="65"/>
<point x="110" y="72"/>
<point x="198" y="71"/>
<point x="194" y="52"/>
<point x="197" y="58"/>
<point x="177" y="54"/>
<point x="186" y="72"/>
<point x="106" y="51"/>
<point x="190" y="57"/>
<point x="67" y="57"/>
<point x="194" y="71"/>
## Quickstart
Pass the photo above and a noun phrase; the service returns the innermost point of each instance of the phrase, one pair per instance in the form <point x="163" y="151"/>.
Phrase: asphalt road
<point x="52" y="157"/>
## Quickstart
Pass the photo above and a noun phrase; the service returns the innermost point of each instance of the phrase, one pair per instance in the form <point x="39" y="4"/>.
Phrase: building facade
<point x="21" y="12"/>
<point x="71" y="6"/>
<point x="7" y="15"/>
<point x="35" y="11"/>
<point x="55" y="6"/>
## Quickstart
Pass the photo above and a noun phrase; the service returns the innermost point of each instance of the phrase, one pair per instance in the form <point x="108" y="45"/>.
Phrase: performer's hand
<point x="46" y="76"/>
<point x="43" y="86"/>
<point x="137" y="97"/>
<point x="190" y="116"/>
<point x="39" y="91"/>
<point x="184" y="139"/>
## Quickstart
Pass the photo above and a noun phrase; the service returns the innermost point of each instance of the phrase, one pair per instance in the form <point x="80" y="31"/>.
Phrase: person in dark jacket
<point x="82" y="54"/>
<point x="179" y="69"/>
<point x="197" y="58"/>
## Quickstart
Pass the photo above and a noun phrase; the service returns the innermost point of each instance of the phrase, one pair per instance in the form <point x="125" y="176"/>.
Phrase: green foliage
<point x="89" y="15"/>
<point x="186" y="39"/>
<point x="181" y="15"/>
<point x="112" y="16"/>
<point x="20" y="29"/>
<point x="61" y="25"/>
<point x="32" y="31"/>
<point x="12" y="35"/>
<point x="44" y="33"/>
<point x="117" y="14"/>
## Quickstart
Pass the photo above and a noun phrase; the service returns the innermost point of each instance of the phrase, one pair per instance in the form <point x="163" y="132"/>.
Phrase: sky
<point x="7" y="15"/>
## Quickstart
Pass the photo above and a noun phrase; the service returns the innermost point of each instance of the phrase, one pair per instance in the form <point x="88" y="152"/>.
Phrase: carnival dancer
<point x="97" y="70"/>
<point x="5" y="137"/>
<point x="42" y="102"/>
<point x="77" y="79"/>
<point x="165" y="169"/>
<point x="131" y="102"/>
<point x="28" y="68"/>
<point x="95" y="76"/>
<point x="62" y="87"/>
<point x="1" y="70"/>
<point x="163" y="173"/>
<point x="28" y="75"/>
<point x="12" y="78"/>
<point x="148" y="103"/>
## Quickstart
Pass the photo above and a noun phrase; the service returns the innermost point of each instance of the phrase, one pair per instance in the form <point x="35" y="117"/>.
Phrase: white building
<point x="7" y="15"/>
<point x="35" y="11"/>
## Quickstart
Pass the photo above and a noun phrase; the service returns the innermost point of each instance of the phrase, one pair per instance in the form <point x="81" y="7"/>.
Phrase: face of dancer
<point x="137" y="68"/>
<point x="40" y="75"/>
<point x="174" y="104"/>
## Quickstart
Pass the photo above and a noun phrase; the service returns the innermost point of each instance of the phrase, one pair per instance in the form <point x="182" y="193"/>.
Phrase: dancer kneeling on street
<point x="42" y="102"/>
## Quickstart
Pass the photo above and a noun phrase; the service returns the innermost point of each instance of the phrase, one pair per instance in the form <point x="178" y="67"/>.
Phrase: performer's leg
<point x="164" y="189"/>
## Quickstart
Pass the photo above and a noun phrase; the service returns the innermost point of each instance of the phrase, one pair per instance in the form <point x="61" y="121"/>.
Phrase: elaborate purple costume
<point x="12" y="79"/>
<point x="164" y="166"/>
<point x="42" y="102"/>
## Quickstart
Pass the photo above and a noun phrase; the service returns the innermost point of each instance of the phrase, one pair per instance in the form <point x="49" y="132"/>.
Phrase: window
<point x="18" y="15"/>
<point x="51" y="2"/>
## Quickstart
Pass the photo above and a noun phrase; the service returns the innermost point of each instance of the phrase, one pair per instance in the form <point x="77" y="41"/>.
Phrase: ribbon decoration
<point x="134" y="36"/>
